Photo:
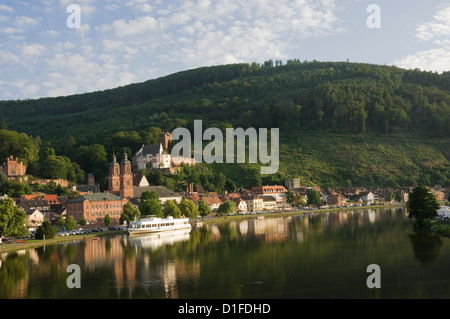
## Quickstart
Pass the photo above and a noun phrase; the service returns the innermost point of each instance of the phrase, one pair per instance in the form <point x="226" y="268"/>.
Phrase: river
<point x="297" y="257"/>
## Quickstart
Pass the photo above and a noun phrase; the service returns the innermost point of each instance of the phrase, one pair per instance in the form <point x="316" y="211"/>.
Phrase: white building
<point x="153" y="155"/>
<point x="367" y="197"/>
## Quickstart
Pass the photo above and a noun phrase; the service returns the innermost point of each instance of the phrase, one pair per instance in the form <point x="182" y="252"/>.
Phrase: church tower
<point x="114" y="177"/>
<point x="126" y="178"/>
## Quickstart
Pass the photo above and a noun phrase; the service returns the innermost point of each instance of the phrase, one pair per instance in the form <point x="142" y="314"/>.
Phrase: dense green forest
<point x="340" y="123"/>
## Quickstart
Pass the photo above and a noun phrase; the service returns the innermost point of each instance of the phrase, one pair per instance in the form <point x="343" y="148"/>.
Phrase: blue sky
<point x="123" y="42"/>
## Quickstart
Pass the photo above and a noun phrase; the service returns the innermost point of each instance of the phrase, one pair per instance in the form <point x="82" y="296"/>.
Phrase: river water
<point x="318" y="256"/>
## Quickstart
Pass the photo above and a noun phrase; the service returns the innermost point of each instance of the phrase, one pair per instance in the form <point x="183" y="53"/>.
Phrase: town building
<point x="156" y="156"/>
<point x="292" y="184"/>
<point x="213" y="202"/>
<point x="153" y="157"/>
<point x="278" y="192"/>
<point x="90" y="187"/>
<point x="336" y="200"/>
<point x="240" y="205"/>
<point x="269" y="203"/>
<point x="53" y="201"/>
<point x="13" y="169"/>
<point x="254" y="204"/>
<point x="34" y="219"/>
<point x="36" y="204"/>
<point x="164" y="193"/>
<point x="95" y="206"/>
<point x="367" y="197"/>
<point x="120" y="178"/>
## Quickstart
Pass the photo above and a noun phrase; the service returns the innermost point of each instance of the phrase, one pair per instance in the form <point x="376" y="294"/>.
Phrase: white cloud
<point x="50" y="33"/>
<point x="238" y="31"/>
<point x="33" y="49"/>
<point x="435" y="59"/>
<point x="112" y="51"/>
<point x="7" y="57"/>
<point x="25" y="21"/>
<point x="111" y="45"/>
<point x="439" y="26"/>
<point x="6" y="8"/>
<point x="141" y="25"/>
<point x="10" y="30"/>
<point x="112" y="7"/>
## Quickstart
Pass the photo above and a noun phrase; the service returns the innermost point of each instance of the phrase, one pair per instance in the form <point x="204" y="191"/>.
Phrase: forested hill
<point x="351" y="100"/>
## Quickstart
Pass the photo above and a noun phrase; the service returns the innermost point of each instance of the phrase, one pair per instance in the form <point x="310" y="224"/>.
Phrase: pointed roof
<point x="125" y="159"/>
<point x="114" y="161"/>
<point x="150" y="149"/>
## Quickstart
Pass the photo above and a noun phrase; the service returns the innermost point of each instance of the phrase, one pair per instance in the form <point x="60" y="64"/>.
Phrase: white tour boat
<point x="156" y="225"/>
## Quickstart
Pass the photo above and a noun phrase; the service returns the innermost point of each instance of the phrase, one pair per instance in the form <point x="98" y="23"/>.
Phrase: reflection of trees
<point x="426" y="246"/>
<point x="45" y="253"/>
<point x="12" y="271"/>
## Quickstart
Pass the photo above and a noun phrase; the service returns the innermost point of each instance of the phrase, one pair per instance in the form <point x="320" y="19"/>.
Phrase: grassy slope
<point x="330" y="160"/>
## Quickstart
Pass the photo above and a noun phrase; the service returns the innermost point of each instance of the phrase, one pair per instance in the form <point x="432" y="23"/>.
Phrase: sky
<point x="52" y="48"/>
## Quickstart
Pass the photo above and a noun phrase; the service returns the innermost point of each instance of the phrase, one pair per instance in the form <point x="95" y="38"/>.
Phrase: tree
<point x="188" y="208"/>
<point x="62" y="222"/>
<point x="45" y="231"/>
<point x="19" y="145"/>
<point x="82" y="221"/>
<point x="226" y="208"/>
<point x="73" y="195"/>
<point x="14" y="188"/>
<point x="151" y="206"/>
<point x="203" y="208"/>
<point x="148" y="195"/>
<point x="422" y="205"/>
<point x="314" y="198"/>
<point x="107" y="220"/>
<point x="129" y="213"/>
<point x="171" y="209"/>
<point x="12" y="219"/>
<point x="71" y="223"/>
<point x="391" y="197"/>
<point x="290" y="197"/>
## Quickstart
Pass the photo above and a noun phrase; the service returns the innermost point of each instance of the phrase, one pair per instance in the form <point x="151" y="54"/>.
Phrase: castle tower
<point x="91" y="179"/>
<point x="126" y="178"/>
<point x="164" y="139"/>
<point x="114" y="177"/>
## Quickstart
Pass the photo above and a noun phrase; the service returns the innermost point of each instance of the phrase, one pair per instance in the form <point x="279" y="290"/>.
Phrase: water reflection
<point x="306" y="256"/>
<point x="156" y="240"/>
<point x="426" y="247"/>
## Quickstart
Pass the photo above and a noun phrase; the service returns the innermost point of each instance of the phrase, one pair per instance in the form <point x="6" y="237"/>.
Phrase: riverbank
<point x="35" y="243"/>
<point x="218" y="219"/>
<point x="440" y="228"/>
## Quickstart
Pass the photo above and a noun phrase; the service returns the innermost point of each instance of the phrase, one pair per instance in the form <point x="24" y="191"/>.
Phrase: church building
<point x="120" y="178"/>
